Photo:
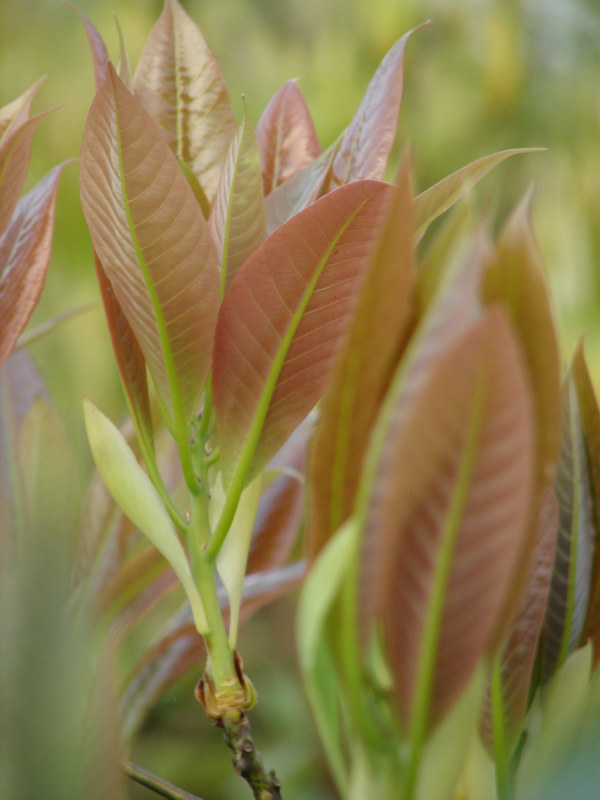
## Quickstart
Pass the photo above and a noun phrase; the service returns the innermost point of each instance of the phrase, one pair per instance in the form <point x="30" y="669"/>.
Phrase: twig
<point x="156" y="784"/>
<point x="247" y="761"/>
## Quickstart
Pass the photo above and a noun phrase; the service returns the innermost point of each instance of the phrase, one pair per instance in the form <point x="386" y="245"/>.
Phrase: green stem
<point x="156" y="784"/>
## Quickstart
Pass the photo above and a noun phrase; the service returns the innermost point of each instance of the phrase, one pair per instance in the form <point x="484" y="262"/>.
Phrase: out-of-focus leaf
<point x="153" y="242"/>
<point x="15" y="150"/>
<point x="180" y="83"/>
<point x="97" y="47"/>
<point x="237" y="220"/>
<point x="129" y="357"/>
<point x="441" y="538"/>
<point x="447" y="750"/>
<point x="287" y="139"/>
<point x="139" y="500"/>
<point x="37" y="333"/>
<point x="556" y="715"/>
<point x="282" y="321"/>
<point x="133" y="576"/>
<point x="514" y="277"/>
<point x="366" y="143"/>
<point x="24" y="256"/>
<point x="281" y="507"/>
<point x="518" y="653"/>
<point x="442" y="195"/>
<point x="590" y="420"/>
<point x="319" y="592"/>
<point x="20" y="384"/>
<point x="48" y="472"/>
<point x="178" y="647"/>
<point x="442" y="249"/>
<point x="362" y="371"/>
<point x="16" y="113"/>
<point x="572" y="571"/>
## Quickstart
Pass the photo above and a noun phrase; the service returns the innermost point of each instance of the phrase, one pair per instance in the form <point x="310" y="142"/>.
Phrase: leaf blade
<point x="179" y="82"/>
<point x="153" y="242"/>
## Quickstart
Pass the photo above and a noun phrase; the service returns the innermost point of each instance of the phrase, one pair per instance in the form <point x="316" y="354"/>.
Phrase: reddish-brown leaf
<point x="368" y="140"/>
<point x="518" y="653"/>
<point x="24" y="256"/>
<point x="281" y="506"/>
<point x="15" y="151"/>
<point x="16" y="113"/>
<point x="363" y="370"/>
<point x="128" y="354"/>
<point x="153" y="242"/>
<point x="283" y="319"/>
<point x="179" y="82"/>
<point x="237" y="220"/>
<point x="287" y="139"/>
<point x="514" y="277"/>
<point x="97" y="47"/>
<point x="445" y="519"/>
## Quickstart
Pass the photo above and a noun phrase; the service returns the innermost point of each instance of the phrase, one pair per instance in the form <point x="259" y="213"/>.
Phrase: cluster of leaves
<point x="449" y="491"/>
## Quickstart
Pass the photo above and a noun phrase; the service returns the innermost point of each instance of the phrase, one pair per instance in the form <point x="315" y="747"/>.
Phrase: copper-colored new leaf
<point x="590" y="420"/>
<point x="97" y="46"/>
<point x="128" y="354"/>
<point x="283" y="319"/>
<point x="518" y="653"/>
<point x="572" y="571"/>
<point x="237" y="220"/>
<point x="153" y="242"/>
<point x="287" y="139"/>
<point x="180" y="83"/>
<point x="366" y="143"/>
<point x="448" y="509"/>
<point x="15" y="151"/>
<point x="16" y="113"/>
<point x="362" y="372"/>
<point x="24" y="256"/>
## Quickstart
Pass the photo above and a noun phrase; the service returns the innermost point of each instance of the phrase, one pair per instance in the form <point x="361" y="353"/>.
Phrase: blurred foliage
<point x="485" y="75"/>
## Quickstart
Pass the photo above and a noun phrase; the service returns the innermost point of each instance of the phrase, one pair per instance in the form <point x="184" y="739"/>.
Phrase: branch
<point x="247" y="761"/>
<point x="158" y="785"/>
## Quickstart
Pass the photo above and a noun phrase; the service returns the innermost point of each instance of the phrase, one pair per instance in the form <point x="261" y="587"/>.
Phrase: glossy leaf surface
<point x="237" y="220"/>
<point x="362" y="371"/>
<point x="24" y="256"/>
<point x="283" y="319"/>
<point x="287" y="139"/>
<point x="153" y="243"/>
<point x="180" y="83"/>
<point x="442" y="537"/>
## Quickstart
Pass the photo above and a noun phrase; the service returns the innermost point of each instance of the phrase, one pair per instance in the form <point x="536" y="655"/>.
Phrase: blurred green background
<point x="485" y="75"/>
